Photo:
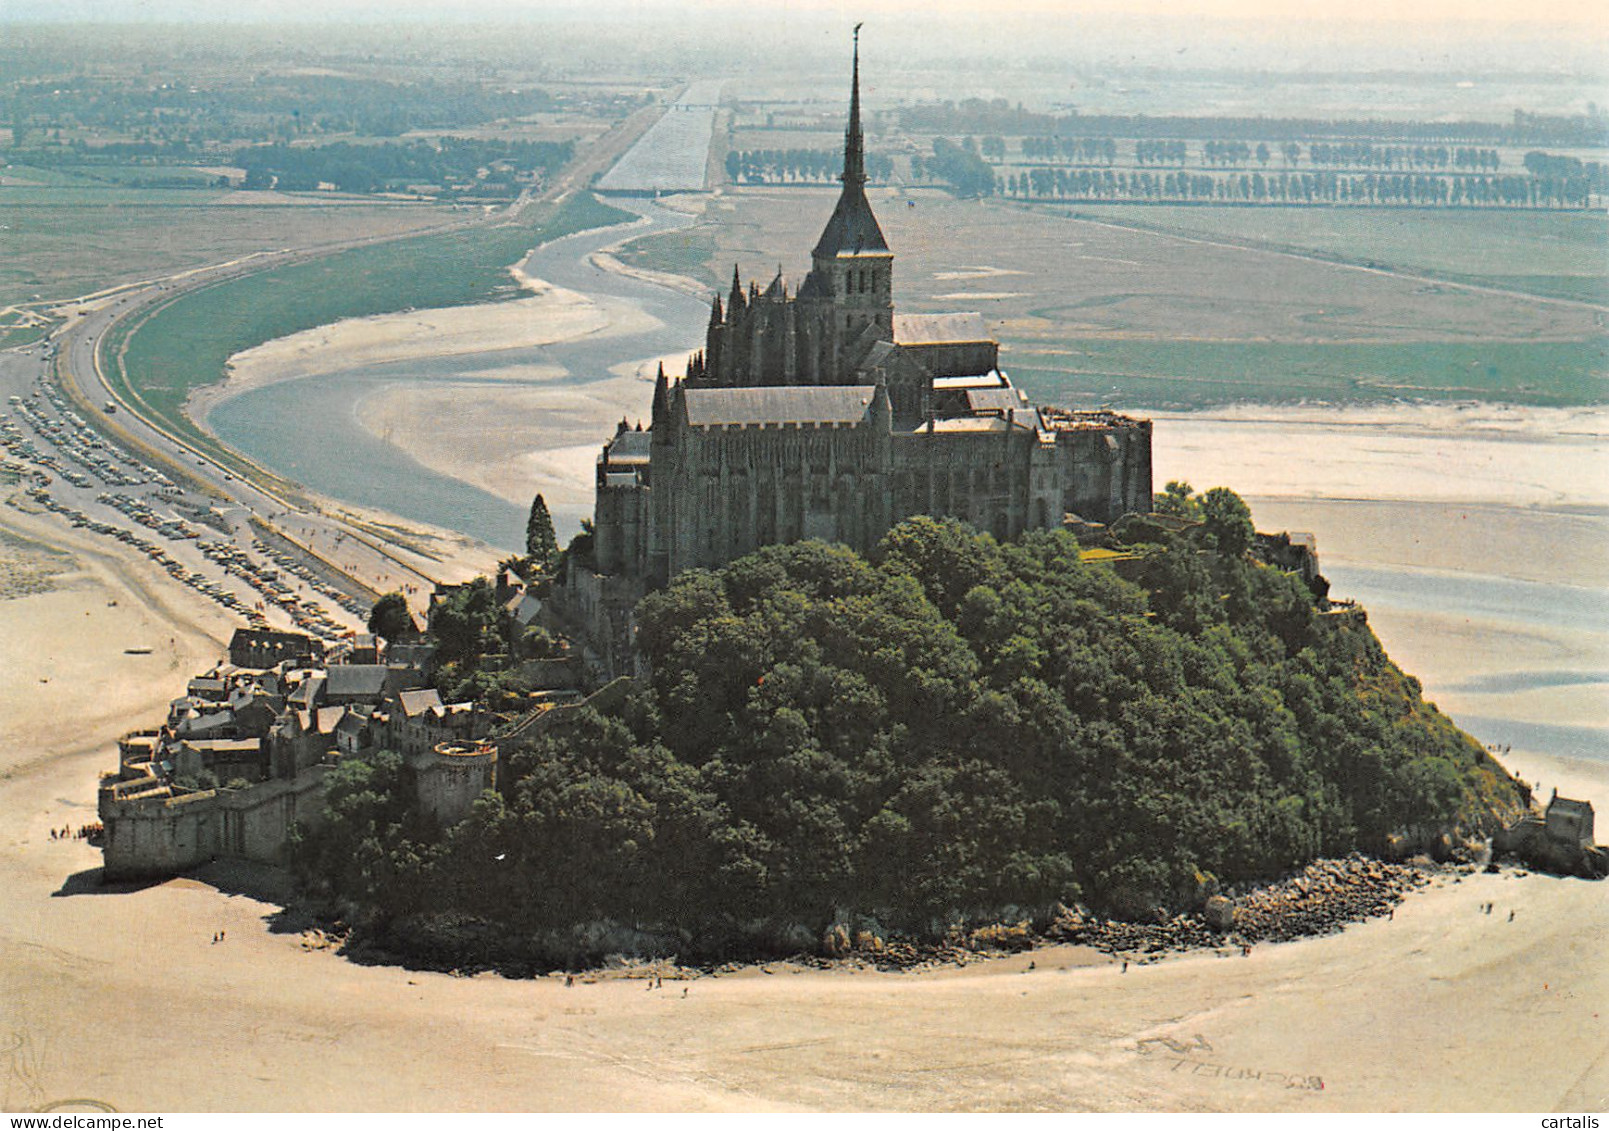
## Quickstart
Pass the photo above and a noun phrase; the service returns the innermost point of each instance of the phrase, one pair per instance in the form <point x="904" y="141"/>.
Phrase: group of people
<point x="83" y="832"/>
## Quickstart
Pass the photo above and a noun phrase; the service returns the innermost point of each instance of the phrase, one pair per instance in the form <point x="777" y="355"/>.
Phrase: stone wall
<point x="451" y="777"/>
<point x="161" y="835"/>
<point x="732" y="490"/>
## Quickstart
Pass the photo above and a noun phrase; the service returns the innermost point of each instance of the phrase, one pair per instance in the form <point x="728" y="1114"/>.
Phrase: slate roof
<point x="365" y="681"/>
<point x="851" y="229"/>
<point x="940" y="329"/>
<point x="779" y="404"/>
<point x="529" y="606"/>
<point x="997" y="400"/>
<point x="628" y="449"/>
<point x="415" y="703"/>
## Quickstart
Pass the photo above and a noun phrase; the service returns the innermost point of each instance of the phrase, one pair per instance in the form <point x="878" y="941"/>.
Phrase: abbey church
<point x="823" y="413"/>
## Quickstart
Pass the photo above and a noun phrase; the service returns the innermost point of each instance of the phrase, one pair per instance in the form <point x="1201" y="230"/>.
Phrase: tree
<point x="541" y="545"/>
<point x="390" y="617"/>
<point x="465" y="622"/>
<point x="1227" y="521"/>
<point x="1178" y="500"/>
<point x="959" y="725"/>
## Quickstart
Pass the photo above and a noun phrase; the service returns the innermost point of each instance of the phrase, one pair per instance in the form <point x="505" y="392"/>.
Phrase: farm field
<point x="67" y="235"/>
<point x="1562" y="254"/>
<point x="1093" y="312"/>
<point x="186" y="343"/>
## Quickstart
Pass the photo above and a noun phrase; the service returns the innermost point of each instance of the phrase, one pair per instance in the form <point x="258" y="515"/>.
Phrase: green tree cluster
<point x="389" y="617"/>
<point x="394" y="165"/>
<point x="952" y="728"/>
<point x="806" y="166"/>
<point x="968" y="173"/>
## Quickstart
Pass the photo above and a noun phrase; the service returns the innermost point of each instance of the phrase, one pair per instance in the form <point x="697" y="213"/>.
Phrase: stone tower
<point x="851" y="279"/>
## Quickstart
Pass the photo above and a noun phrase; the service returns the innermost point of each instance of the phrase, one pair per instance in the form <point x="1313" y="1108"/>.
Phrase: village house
<point x="242" y="757"/>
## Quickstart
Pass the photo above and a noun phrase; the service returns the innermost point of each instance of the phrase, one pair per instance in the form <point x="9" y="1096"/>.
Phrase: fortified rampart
<point x="449" y="778"/>
<point x="152" y="831"/>
<point x="162" y="811"/>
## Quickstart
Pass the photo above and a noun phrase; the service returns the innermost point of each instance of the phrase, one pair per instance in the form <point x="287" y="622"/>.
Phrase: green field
<point x="65" y="236"/>
<point x="142" y="176"/>
<point x="157" y="361"/>
<point x="1198" y="374"/>
<point x="1555" y="254"/>
<point x="13" y="335"/>
<point x="1107" y="307"/>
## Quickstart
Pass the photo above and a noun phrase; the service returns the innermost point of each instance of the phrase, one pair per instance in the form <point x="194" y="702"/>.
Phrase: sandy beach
<point x="548" y="314"/>
<point x="120" y="996"/>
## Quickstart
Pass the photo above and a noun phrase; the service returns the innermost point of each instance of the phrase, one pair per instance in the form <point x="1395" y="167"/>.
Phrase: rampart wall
<point x="160" y="835"/>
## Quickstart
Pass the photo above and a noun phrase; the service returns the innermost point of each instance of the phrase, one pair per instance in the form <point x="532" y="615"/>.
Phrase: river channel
<point x="309" y="430"/>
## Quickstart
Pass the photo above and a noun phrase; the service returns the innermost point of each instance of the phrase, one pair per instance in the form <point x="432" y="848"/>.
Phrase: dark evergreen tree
<point x="541" y="545"/>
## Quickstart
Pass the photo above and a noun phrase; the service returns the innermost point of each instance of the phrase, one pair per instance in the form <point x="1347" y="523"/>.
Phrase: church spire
<point x="852" y="230"/>
<point x="854" y="142"/>
<point x="661" y="409"/>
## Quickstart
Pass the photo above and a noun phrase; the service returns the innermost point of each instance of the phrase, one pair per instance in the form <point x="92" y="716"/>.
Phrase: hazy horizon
<point x="772" y="36"/>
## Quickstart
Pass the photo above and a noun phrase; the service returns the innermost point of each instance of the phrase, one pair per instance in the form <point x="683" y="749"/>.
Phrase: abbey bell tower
<point x="851" y="265"/>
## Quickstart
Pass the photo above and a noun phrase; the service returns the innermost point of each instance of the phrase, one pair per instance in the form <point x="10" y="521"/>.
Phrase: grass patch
<point x="1554" y="254"/>
<point x="159" y="360"/>
<point x="14" y="336"/>
<point x="686" y="252"/>
<point x="1161" y="374"/>
<point x="1102" y="554"/>
<point x="144" y="176"/>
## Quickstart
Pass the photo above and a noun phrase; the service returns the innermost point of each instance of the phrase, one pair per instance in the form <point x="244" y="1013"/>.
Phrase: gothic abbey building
<point x="825" y="414"/>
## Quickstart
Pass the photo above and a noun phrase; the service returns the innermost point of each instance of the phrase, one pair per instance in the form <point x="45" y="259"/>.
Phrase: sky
<point x="1471" y="38"/>
<point x="1582" y="15"/>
